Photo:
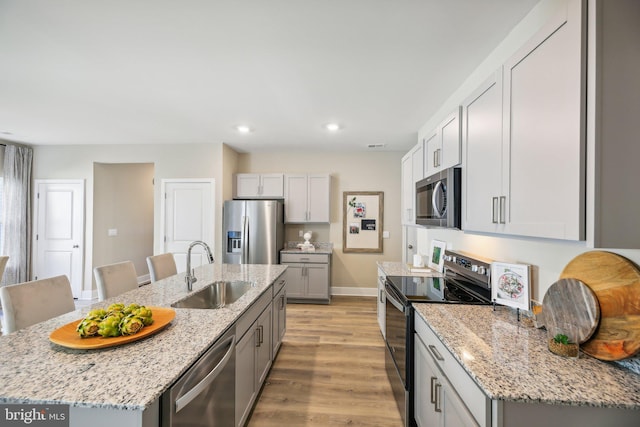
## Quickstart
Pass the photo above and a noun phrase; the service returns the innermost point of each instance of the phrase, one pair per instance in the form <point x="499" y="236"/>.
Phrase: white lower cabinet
<point x="445" y="395"/>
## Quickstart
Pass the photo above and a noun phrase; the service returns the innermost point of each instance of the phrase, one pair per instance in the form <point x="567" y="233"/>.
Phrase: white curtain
<point x="17" y="213"/>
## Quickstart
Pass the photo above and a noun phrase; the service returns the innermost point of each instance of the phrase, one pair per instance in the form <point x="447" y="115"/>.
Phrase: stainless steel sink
<point x="216" y="295"/>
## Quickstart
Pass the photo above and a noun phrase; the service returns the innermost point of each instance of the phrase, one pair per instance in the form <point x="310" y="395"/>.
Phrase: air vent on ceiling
<point x="375" y="145"/>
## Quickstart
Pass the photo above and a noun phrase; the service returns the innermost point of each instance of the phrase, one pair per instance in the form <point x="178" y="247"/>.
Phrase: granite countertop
<point x="131" y="376"/>
<point x="402" y="269"/>
<point x="319" y="248"/>
<point x="510" y="361"/>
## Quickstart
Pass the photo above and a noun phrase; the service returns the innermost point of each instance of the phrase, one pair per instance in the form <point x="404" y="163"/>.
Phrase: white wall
<point x="170" y="161"/>
<point x="547" y="257"/>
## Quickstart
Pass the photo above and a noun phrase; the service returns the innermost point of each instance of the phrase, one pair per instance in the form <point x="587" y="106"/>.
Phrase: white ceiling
<point x="170" y="71"/>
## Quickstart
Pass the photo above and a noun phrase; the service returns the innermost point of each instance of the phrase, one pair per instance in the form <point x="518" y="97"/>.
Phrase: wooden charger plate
<point x="67" y="336"/>
<point x="616" y="282"/>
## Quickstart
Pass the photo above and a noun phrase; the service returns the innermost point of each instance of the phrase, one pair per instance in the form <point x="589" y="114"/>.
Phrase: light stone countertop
<point x="510" y="360"/>
<point x="402" y="269"/>
<point x="131" y="376"/>
<point x="319" y="248"/>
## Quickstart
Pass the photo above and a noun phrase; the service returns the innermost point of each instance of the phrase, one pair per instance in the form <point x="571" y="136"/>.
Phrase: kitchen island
<point x="122" y="385"/>
<point x="523" y="383"/>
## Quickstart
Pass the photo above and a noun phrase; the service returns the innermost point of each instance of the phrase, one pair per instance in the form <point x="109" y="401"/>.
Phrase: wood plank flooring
<point x="329" y="370"/>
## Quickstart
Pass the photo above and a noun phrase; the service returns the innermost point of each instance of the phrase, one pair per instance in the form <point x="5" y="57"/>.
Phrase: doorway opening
<point x="123" y="214"/>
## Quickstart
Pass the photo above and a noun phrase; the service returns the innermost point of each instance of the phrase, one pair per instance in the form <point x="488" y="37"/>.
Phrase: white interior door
<point x="59" y="232"/>
<point x="188" y="215"/>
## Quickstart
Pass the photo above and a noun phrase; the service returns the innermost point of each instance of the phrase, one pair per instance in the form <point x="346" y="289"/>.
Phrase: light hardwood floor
<point x="329" y="370"/>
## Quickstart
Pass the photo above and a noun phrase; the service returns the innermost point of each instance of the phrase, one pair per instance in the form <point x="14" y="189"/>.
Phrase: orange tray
<point x="67" y="336"/>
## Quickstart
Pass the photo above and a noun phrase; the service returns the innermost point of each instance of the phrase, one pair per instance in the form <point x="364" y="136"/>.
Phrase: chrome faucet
<point x="189" y="277"/>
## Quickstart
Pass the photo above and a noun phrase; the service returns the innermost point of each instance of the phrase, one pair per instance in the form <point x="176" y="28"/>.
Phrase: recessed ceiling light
<point x="243" y="129"/>
<point x="333" y="127"/>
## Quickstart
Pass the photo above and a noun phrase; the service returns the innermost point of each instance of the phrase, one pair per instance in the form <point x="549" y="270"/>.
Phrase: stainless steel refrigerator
<point x="253" y="231"/>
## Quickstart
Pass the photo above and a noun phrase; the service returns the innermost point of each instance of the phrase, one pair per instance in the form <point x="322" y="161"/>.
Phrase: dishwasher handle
<point x="186" y="398"/>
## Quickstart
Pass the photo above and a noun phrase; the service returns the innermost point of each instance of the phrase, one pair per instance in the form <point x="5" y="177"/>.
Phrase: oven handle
<point x="391" y="297"/>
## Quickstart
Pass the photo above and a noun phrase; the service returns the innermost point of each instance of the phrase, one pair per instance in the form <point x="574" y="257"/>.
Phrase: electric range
<point x="466" y="280"/>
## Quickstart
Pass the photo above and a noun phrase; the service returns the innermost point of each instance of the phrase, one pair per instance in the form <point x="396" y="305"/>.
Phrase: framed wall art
<point x="362" y="221"/>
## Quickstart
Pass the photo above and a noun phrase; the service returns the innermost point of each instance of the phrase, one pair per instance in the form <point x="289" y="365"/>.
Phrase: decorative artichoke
<point x="131" y="324"/>
<point x="145" y="314"/>
<point x="97" y="313"/>
<point x="109" y="326"/>
<point x="113" y="308"/>
<point x="131" y="308"/>
<point x="88" y="327"/>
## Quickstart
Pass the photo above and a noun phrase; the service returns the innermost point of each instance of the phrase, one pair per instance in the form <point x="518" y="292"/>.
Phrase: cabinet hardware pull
<point x="503" y="205"/>
<point x="381" y="295"/>
<point x="494" y="210"/>
<point x="437" y="402"/>
<point x="259" y="335"/>
<point x="435" y="352"/>
<point x="433" y="396"/>
<point x="435" y="162"/>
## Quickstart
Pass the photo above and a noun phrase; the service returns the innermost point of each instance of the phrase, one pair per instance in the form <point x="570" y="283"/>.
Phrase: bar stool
<point x="161" y="266"/>
<point x="115" y="279"/>
<point x="28" y="303"/>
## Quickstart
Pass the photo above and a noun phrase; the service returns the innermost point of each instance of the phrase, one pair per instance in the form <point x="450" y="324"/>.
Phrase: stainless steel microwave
<point x="438" y="199"/>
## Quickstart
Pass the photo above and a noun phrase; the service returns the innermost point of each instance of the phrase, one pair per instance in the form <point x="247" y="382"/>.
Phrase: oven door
<point x="397" y="319"/>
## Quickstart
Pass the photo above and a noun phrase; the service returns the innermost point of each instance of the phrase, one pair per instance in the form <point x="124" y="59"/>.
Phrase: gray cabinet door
<point x="279" y="319"/>
<point x="263" y="346"/>
<point x="245" y="375"/>
<point x="318" y="281"/>
<point x="295" y="281"/>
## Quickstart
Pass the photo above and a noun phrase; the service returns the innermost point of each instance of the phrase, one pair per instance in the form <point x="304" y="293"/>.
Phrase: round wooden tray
<point x="67" y="336"/>
<point x="616" y="282"/>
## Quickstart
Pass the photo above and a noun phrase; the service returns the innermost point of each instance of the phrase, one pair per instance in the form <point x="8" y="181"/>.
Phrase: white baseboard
<point x="355" y="292"/>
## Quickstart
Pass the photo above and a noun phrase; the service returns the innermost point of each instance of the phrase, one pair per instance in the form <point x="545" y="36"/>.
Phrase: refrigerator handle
<point x="245" y="240"/>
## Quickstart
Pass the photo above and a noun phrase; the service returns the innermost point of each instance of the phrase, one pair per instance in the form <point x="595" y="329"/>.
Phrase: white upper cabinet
<point x="524" y="138"/>
<point x="543" y="130"/>
<point x="482" y="142"/>
<point x="442" y="146"/>
<point x="412" y="171"/>
<point x="256" y="186"/>
<point x="307" y="198"/>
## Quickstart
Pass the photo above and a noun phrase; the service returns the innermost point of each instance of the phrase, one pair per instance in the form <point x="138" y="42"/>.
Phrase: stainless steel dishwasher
<point x="205" y="394"/>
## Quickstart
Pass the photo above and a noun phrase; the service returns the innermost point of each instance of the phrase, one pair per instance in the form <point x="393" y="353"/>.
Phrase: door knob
<point x="410" y="246"/>
<point x="76" y="246"/>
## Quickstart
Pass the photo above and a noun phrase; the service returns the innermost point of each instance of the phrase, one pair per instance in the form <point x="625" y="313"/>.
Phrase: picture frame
<point x="436" y="255"/>
<point x="362" y="221"/>
<point x="510" y="284"/>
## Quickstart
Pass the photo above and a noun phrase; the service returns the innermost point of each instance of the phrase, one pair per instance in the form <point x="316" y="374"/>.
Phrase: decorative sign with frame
<point x="362" y="221"/>
<point x="510" y="284"/>
<point x="436" y="255"/>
